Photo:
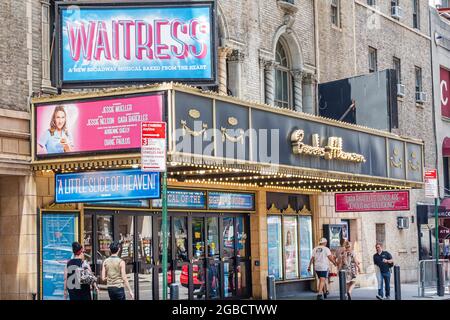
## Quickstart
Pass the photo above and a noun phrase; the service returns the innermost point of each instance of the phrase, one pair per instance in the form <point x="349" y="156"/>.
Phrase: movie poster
<point x="274" y="247"/>
<point x="59" y="231"/>
<point x="290" y="244"/>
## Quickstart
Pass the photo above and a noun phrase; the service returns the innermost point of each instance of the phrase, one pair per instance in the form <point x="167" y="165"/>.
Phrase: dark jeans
<point x="386" y="278"/>
<point x="116" y="293"/>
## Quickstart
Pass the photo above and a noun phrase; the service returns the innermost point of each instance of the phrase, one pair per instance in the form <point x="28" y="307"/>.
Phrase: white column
<point x="308" y="93"/>
<point x="297" y="76"/>
<point x="46" y="44"/>
<point x="235" y="61"/>
<point x="269" y="80"/>
<point x="223" y="54"/>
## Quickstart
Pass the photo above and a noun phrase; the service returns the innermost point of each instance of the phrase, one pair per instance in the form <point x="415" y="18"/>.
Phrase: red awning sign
<point x="446" y="147"/>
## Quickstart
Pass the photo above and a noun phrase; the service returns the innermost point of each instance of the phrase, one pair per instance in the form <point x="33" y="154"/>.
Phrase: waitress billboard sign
<point x="130" y="42"/>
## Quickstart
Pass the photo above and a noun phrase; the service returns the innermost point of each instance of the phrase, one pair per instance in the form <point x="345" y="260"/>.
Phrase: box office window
<point x="289" y="246"/>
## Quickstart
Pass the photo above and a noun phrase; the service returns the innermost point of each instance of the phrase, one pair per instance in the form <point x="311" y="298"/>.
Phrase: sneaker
<point x="325" y="295"/>
<point x="319" y="297"/>
<point x="387" y="298"/>
<point x="379" y="297"/>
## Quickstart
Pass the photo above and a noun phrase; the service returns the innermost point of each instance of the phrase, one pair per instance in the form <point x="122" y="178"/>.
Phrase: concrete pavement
<point x="409" y="291"/>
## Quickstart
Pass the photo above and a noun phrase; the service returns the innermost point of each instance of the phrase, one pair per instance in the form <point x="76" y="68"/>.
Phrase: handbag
<point x="85" y="275"/>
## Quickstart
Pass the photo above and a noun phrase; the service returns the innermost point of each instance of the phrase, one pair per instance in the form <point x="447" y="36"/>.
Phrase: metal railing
<point x="428" y="276"/>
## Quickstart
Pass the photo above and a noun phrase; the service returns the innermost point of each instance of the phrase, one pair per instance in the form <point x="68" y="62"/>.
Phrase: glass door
<point x="242" y="256"/>
<point x="197" y="275"/>
<point x="103" y="224"/>
<point x="158" y="265"/>
<point x="212" y="258"/>
<point x="144" y="257"/>
<point x="179" y="274"/>
<point x="125" y="235"/>
<point x="228" y="257"/>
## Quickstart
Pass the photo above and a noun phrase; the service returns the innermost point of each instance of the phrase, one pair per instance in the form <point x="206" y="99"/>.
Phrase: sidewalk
<point x="409" y="292"/>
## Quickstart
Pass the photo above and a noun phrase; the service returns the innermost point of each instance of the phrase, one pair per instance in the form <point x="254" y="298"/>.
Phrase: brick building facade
<point x="249" y="33"/>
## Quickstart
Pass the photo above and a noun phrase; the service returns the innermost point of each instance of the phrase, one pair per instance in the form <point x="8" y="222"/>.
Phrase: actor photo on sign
<point x="57" y="138"/>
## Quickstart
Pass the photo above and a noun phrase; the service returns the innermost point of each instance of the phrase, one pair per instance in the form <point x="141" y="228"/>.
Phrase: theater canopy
<point x="224" y="140"/>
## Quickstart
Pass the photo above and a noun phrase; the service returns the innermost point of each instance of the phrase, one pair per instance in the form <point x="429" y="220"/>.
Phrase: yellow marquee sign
<point x="333" y="150"/>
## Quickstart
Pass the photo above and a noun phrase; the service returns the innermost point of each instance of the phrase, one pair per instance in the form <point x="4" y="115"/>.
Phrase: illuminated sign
<point x="106" y="186"/>
<point x="333" y="150"/>
<point x="92" y="126"/>
<point x="121" y="42"/>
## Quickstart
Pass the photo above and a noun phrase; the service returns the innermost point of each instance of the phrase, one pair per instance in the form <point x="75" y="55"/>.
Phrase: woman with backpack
<point x="78" y="276"/>
<point x="348" y="262"/>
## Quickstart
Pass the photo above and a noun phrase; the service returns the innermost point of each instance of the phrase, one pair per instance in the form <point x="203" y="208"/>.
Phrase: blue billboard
<point x="107" y="186"/>
<point x="231" y="201"/>
<point x="125" y="42"/>
<point x="59" y="230"/>
<point x="183" y="199"/>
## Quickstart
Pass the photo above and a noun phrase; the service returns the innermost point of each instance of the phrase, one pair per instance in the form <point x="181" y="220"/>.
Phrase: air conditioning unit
<point x="396" y="12"/>
<point x="421" y="97"/>
<point x="400" y="90"/>
<point x="402" y="222"/>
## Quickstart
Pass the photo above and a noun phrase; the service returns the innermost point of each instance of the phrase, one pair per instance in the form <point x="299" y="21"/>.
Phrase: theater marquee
<point x="117" y="42"/>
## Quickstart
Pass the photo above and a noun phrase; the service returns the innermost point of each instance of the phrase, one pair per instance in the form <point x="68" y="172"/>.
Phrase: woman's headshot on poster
<point x="56" y="139"/>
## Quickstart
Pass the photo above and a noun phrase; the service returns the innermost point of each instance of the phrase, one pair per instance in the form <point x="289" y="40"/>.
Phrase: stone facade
<point x="20" y="62"/>
<point x="249" y="31"/>
<point x="343" y="52"/>
<point x="441" y="58"/>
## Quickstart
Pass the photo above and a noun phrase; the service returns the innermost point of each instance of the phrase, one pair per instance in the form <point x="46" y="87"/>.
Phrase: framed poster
<point x="290" y="244"/>
<point x="117" y="42"/>
<point x="306" y="246"/>
<point x="58" y="230"/>
<point x="94" y="126"/>
<point x="274" y="255"/>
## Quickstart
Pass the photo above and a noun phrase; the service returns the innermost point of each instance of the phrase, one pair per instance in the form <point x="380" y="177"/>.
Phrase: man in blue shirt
<point x="384" y="261"/>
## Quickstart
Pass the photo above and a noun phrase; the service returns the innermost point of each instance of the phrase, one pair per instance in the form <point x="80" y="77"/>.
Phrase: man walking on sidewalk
<point x="321" y="255"/>
<point x="384" y="261"/>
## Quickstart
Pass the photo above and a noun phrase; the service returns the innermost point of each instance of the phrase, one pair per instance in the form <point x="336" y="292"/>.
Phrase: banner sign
<point x="105" y="125"/>
<point x="445" y="92"/>
<point x="106" y="186"/>
<point x="126" y="203"/>
<point x="153" y="146"/>
<point x="183" y="199"/>
<point x="372" y="201"/>
<point x="59" y="231"/>
<point x="120" y="42"/>
<point x="431" y="187"/>
<point x="230" y="201"/>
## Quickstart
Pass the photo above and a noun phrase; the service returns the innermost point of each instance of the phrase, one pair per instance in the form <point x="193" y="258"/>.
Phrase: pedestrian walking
<point x="321" y="256"/>
<point x="348" y="262"/>
<point x="78" y="276"/>
<point x="384" y="261"/>
<point x="113" y="271"/>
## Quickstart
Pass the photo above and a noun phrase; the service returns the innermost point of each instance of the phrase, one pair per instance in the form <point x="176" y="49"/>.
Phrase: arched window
<point x="283" y="78"/>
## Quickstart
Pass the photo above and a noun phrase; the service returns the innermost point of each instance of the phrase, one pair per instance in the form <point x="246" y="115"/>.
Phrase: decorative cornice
<point x="236" y="56"/>
<point x="273" y="209"/>
<point x="287" y="7"/>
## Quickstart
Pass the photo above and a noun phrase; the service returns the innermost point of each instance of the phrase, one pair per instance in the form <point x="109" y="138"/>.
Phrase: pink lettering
<point x="201" y="52"/>
<point x="126" y="24"/>
<point x="102" y="43"/>
<point x="184" y="51"/>
<point x="159" y="47"/>
<point x="141" y="46"/>
<point x="78" y="40"/>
